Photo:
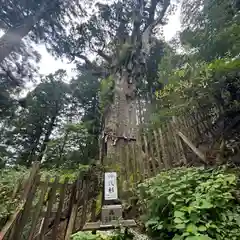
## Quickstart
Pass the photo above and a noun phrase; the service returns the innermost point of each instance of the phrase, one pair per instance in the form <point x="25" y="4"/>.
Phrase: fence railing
<point x="52" y="210"/>
<point x="182" y="141"/>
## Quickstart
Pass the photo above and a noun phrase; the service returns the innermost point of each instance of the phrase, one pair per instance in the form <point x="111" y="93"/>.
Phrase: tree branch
<point x="147" y="32"/>
<point x="8" y="74"/>
<point x="104" y="56"/>
<point x="158" y="20"/>
<point x="90" y="65"/>
<point x="138" y="15"/>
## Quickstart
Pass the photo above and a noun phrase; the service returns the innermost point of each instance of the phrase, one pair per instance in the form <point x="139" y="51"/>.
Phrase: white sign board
<point x="110" y="186"/>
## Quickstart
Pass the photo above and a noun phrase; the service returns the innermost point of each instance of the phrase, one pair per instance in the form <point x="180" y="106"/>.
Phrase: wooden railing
<point x="53" y="210"/>
<point x="182" y="141"/>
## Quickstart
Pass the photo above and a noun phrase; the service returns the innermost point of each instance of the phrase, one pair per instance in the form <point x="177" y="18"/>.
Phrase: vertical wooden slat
<point x="121" y="160"/>
<point x="93" y="210"/>
<point x="164" y="154"/>
<point x="157" y="149"/>
<point x="27" y="207"/>
<point x="140" y="158"/>
<point x="135" y="162"/>
<point x="84" y="196"/>
<point x="178" y="141"/>
<point x="38" y="208"/>
<point x="147" y="156"/>
<point x="171" y="147"/>
<point x="59" y="211"/>
<point x="167" y="143"/>
<point x="71" y="221"/>
<point x="197" y="129"/>
<point x="72" y="208"/>
<point x="28" y="184"/>
<point x="152" y="158"/>
<point x="127" y="166"/>
<point x="51" y="200"/>
<point x="78" y="196"/>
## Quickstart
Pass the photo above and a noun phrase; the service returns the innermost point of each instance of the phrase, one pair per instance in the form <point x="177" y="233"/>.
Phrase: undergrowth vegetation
<point x="118" y="234"/>
<point x="191" y="204"/>
<point x="9" y="177"/>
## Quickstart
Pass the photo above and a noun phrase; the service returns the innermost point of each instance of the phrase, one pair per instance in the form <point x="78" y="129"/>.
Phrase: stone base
<point x="111" y="213"/>
<point x="113" y="224"/>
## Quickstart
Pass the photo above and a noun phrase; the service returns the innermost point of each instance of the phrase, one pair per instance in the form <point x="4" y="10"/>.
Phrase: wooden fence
<point x="182" y="141"/>
<point x="53" y="210"/>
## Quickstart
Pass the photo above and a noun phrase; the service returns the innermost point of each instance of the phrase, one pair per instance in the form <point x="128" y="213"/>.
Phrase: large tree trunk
<point x="12" y="38"/>
<point x="120" y="120"/>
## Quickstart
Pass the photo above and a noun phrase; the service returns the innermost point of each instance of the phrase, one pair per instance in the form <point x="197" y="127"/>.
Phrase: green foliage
<point x="208" y="84"/>
<point x="118" y="234"/>
<point x="210" y="29"/>
<point x="106" y="92"/>
<point x="86" y="236"/>
<point x="9" y="178"/>
<point x="191" y="203"/>
<point x="63" y="173"/>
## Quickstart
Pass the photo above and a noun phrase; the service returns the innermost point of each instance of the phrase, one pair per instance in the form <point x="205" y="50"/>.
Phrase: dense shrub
<point x="191" y="204"/>
<point x="207" y="84"/>
<point x="9" y="177"/>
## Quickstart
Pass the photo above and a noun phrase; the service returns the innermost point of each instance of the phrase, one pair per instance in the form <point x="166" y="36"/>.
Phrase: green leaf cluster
<point x="200" y="83"/>
<point x="191" y="204"/>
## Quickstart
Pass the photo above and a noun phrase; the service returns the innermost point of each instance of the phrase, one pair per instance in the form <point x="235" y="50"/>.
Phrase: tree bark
<point x="47" y="137"/>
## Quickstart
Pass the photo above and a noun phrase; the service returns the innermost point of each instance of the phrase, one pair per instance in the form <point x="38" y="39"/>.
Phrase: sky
<point x="49" y="64"/>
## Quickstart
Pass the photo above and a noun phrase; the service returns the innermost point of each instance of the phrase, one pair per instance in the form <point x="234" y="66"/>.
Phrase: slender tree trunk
<point x="12" y="38"/>
<point x="62" y="147"/>
<point x="47" y="137"/>
<point x="32" y="153"/>
<point x="27" y="157"/>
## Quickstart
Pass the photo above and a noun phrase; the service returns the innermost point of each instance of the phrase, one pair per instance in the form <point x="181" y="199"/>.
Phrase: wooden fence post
<point x="147" y="156"/>
<point x="51" y="200"/>
<point x="158" y="150"/>
<point x="140" y="158"/>
<point x="26" y="209"/>
<point x="59" y="210"/>
<point x="152" y="158"/>
<point x="38" y="209"/>
<point x="127" y="169"/>
<point x="164" y="154"/>
<point x="178" y="141"/>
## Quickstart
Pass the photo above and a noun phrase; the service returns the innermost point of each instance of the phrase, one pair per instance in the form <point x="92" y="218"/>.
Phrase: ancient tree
<point x="121" y="36"/>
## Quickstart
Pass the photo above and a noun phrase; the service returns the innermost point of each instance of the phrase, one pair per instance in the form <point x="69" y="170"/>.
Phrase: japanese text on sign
<point x="110" y="186"/>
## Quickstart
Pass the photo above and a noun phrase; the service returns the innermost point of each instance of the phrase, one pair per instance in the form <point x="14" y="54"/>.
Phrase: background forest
<point x="59" y="120"/>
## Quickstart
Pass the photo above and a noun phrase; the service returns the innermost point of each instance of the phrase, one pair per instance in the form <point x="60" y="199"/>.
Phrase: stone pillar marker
<point x="111" y="215"/>
<point x="110" y="212"/>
